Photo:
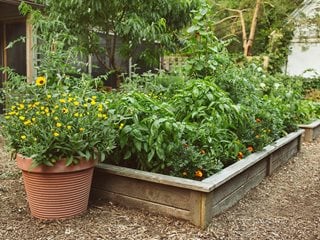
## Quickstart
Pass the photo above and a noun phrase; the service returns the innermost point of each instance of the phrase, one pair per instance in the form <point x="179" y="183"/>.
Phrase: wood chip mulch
<point x="284" y="206"/>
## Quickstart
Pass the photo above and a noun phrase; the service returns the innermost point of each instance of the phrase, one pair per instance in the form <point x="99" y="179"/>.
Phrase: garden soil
<point x="285" y="205"/>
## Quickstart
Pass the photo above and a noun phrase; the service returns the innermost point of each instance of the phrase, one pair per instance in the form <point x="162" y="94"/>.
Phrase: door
<point x="14" y="57"/>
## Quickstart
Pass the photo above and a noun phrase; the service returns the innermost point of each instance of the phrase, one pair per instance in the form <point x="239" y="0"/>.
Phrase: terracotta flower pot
<point x="56" y="192"/>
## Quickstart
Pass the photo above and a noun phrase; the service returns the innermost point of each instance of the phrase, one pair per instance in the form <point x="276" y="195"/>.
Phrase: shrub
<point x="48" y="123"/>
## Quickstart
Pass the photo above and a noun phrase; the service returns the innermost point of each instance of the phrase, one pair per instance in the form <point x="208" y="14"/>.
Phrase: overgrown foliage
<point x="134" y="23"/>
<point x="273" y="31"/>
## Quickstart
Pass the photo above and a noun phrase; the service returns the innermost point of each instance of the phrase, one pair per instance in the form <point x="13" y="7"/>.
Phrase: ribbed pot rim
<point x="26" y="164"/>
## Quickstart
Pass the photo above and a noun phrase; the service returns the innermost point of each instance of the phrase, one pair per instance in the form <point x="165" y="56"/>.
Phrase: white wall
<point x="303" y="57"/>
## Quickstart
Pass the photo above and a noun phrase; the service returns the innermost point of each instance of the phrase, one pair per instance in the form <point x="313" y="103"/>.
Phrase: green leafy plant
<point x="206" y="54"/>
<point x="148" y="131"/>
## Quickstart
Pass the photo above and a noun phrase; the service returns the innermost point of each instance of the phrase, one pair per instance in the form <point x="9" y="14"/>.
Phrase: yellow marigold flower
<point x="70" y="99"/>
<point x="121" y="125"/>
<point x="30" y="105"/>
<point x="33" y="119"/>
<point x="56" y="134"/>
<point x="69" y="127"/>
<point x="37" y="103"/>
<point x="13" y="107"/>
<point x="62" y="100"/>
<point x="56" y="118"/>
<point x="12" y="113"/>
<point x="65" y="110"/>
<point x="42" y="108"/>
<point x="81" y="129"/>
<point x="48" y="114"/>
<point x="22" y="118"/>
<point x="58" y="124"/>
<point x="85" y="105"/>
<point x="100" y="115"/>
<point x="105" y="116"/>
<point x="56" y="106"/>
<point x="46" y="110"/>
<point x="40" y="81"/>
<point x="76" y="114"/>
<point x="76" y="103"/>
<point x="49" y="96"/>
<point x="94" y="97"/>
<point x="23" y="137"/>
<point x="93" y="102"/>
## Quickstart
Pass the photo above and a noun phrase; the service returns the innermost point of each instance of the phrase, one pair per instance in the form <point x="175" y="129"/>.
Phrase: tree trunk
<point x="249" y="42"/>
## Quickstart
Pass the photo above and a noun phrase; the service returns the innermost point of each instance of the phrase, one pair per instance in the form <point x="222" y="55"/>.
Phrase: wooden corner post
<point x="29" y="50"/>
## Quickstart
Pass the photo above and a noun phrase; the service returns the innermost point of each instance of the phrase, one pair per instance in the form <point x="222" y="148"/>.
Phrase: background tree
<point x="135" y="23"/>
<point x="267" y="21"/>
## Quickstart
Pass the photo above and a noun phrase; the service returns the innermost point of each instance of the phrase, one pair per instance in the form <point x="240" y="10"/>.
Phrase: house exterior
<point x="304" y="58"/>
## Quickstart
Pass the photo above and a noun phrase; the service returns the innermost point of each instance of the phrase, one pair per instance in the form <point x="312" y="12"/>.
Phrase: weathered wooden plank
<point x="235" y="196"/>
<point x="316" y="132"/>
<point x="312" y="131"/>
<point x="147" y="191"/>
<point x="233" y="184"/>
<point x="155" y="177"/>
<point x="284" y="153"/>
<point x="132" y="202"/>
<point x="236" y="168"/>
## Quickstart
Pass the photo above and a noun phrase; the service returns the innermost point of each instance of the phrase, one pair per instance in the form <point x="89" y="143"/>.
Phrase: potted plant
<point x="57" y="133"/>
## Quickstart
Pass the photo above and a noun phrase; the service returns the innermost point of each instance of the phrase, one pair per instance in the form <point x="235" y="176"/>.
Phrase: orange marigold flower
<point x="240" y="155"/>
<point x="250" y="149"/>
<point x="198" y="173"/>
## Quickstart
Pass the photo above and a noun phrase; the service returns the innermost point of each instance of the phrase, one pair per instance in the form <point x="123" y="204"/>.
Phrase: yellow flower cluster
<point x="56" y="114"/>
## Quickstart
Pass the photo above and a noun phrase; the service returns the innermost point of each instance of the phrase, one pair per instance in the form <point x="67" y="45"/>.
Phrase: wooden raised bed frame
<point x="312" y="131"/>
<point x="195" y="201"/>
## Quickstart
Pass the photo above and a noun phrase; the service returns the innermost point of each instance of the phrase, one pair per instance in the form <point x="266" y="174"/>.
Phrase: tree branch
<point x="253" y="28"/>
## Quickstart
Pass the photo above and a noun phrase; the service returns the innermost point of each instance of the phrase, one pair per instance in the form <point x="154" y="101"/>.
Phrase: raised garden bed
<point x="195" y="201"/>
<point x="312" y="131"/>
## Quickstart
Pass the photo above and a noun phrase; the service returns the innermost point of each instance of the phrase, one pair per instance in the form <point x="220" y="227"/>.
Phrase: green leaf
<point x="69" y="161"/>
<point x="137" y="145"/>
<point x="151" y="154"/>
<point x="127" y="155"/>
<point x="160" y="152"/>
<point x="192" y="29"/>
